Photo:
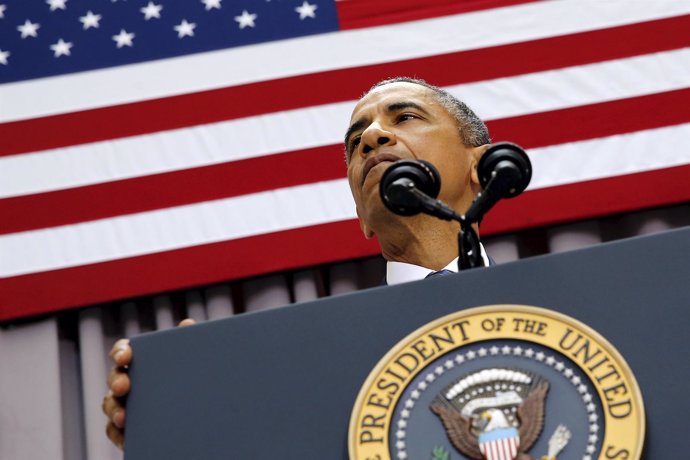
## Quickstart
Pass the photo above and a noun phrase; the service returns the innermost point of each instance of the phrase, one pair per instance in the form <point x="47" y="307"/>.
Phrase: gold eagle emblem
<point x="490" y="400"/>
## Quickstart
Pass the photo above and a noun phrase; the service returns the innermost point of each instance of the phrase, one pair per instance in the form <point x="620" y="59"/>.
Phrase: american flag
<point x="154" y="145"/>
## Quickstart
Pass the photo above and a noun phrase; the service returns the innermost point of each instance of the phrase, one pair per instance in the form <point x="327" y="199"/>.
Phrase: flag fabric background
<point x="147" y="146"/>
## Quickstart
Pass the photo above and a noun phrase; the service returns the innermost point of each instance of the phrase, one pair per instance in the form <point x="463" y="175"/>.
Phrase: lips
<point x="376" y="159"/>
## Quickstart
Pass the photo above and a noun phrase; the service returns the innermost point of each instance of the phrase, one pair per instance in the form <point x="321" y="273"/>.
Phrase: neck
<point x="421" y="240"/>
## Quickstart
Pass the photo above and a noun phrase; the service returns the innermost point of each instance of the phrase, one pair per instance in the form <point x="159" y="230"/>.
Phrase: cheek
<point x="351" y="180"/>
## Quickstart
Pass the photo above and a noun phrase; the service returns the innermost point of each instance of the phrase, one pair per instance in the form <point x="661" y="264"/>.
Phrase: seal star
<point x="90" y="20"/>
<point x="61" y="48"/>
<point x="185" y="29"/>
<point x="246" y="19"/>
<point x="57" y="4"/>
<point x="3" y="57"/>
<point x="151" y="11"/>
<point x="124" y="38"/>
<point x="306" y="10"/>
<point x="29" y="29"/>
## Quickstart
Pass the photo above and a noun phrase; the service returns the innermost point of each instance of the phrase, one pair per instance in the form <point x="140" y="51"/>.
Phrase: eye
<point x="406" y="116"/>
<point x="354" y="143"/>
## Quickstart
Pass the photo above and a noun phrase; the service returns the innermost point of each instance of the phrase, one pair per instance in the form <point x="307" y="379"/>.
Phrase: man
<point x="397" y="119"/>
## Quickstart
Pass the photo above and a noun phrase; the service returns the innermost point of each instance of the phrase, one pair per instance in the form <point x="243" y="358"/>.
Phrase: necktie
<point x="443" y="272"/>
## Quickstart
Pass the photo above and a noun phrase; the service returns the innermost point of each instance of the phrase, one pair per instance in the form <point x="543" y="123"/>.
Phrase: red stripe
<point x="177" y="188"/>
<point x="494" y="451"/>
<point x="353" y="14"/>
<point x="85" y="285"/>
<point x="89" y="284"/>
<point x="315" y="89"/>
<point x="594" y="120"/>
<point x="195" y="185"/>
<point x="590" y="199"/>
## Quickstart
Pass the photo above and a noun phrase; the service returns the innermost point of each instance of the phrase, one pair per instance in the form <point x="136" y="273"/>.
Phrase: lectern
<point x="283" y="383"/>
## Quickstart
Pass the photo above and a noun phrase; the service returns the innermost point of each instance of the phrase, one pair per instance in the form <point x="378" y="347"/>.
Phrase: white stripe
<point x="179" y="227"/>
<point x="324" y="125"/>
<point x="494" y="451"/>
<point x="173" y="150"/>
<point x="283" y="209"/>
<point x="339" y="50"/>
<point x="578" y="85"/>
<point x="610" y="156"/>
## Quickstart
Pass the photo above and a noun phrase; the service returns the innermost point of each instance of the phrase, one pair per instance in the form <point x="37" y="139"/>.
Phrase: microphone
<point x="504" y="172"/>
<point x="409" y="187"/>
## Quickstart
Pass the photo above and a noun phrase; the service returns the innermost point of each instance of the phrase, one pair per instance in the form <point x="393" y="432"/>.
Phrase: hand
<point x="120" y="385"/>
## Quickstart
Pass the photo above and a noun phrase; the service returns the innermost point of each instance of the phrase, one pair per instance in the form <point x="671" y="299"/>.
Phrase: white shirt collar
<point x="401" y="272"/>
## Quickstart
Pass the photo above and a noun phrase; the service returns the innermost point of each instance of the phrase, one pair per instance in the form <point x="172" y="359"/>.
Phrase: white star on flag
<point x="124" y="38"/>
<point x="306" y="10"/>
<point x="3" y="57"/>
<point x="152" y="11"/>
<point x="90" y="20"/>
<point x="62" y="48"/>
<point x="2" y="11"/>
<point x="29" y="29"/>
<point x="57" y="4"/>
<point x="246" y="19"/>
<point x="210" y="4"/>
<point x="185" y="29"/>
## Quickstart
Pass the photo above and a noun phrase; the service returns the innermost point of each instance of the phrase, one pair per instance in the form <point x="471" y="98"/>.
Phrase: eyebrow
<point x="390" y="108"/>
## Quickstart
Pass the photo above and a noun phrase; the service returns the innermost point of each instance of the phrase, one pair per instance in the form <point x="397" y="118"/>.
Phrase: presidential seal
<point x="501" y="382"/>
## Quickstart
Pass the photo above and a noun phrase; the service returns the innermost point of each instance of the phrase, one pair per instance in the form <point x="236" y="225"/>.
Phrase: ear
<point x="368" y="233"/>
<point x="475" y="154"/>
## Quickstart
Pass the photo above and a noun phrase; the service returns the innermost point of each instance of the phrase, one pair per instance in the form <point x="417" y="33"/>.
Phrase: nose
<point x="376" y="136"/>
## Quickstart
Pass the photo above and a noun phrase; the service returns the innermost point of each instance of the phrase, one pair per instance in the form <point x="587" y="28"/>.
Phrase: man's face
<point x="405" y="121"/>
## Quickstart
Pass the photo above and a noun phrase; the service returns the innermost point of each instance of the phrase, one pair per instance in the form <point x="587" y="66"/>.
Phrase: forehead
<point x="381" y="97"/>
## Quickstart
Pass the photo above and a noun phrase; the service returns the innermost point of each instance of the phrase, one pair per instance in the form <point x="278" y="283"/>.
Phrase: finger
<point x="115" y="434"/>
<point x="111" y="405"/>
<point x="118" y="382"/>
<point x="187" y="322"/>
<point x="114" y="411"/>
<point x="121" y="353"/>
